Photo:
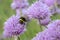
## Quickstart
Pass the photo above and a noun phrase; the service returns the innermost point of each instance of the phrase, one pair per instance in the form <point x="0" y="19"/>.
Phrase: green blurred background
<point x="32" y="27"/>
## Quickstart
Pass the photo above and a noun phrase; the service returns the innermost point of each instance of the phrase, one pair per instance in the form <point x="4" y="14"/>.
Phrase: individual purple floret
<point x="53" y="10"/>
<point x="58" y="6"/>
<point x="52" y="33"/>
<point x="49" y="2"/>
<point x="12" y="27"/>
<point x="45" y="21"/>
<point x="58" y="2"/>
<point x="38" y="10"/>
<point x="58" y="10"/>
<point x="19" y="4"/>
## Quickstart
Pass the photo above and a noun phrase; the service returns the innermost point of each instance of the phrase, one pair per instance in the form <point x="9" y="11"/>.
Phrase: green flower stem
<point x="18" y="12"/>
<point x="41" y="29"/>
<point x="16" y="38"/>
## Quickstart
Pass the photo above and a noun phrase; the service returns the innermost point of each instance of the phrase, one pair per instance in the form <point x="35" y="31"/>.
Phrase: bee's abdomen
<point x="22" y="20"/>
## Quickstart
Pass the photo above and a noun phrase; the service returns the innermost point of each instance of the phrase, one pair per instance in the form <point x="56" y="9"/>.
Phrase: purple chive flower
<point x="38" y="10"/>
<point x="19" y="4"/>
<point x="12" y="27"/>
<point x="52" y="33"/>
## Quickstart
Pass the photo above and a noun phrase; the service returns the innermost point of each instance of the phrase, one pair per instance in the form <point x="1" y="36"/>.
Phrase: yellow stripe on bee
<point x="21" y="20"/>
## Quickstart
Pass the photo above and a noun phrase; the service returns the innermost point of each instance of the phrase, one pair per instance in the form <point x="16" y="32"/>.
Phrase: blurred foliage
<point x="6" y="12"/>
<point x="32" y="27"/>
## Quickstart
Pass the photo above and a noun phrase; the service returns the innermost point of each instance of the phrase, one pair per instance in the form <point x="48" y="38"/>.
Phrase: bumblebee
<point x="22" y="20"/>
